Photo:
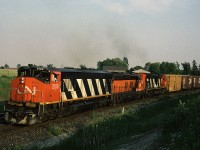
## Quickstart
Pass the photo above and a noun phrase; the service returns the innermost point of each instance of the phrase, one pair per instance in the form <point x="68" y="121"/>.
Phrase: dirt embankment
<point x="141" y="142"/>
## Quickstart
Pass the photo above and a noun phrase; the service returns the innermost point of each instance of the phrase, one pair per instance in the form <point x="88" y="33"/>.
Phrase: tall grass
<point x="111" y="129"/>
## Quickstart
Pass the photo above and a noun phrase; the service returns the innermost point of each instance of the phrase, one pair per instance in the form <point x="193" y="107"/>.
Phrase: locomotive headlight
<point x="22" y="80"/>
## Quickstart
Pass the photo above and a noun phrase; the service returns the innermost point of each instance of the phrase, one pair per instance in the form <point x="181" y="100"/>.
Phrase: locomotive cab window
<point x="42" y="75"/>
<point x="54" y="77"/>
<point x="24" y="73"/>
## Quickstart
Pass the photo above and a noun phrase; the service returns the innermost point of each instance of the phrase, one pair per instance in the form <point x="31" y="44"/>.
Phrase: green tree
<point x="169" y="68"/>
<point x="199" y="70"/>
<point x="155" y="68"/>
<point x="130" y="70"/>
<point x="18" y="65"/>
<point x="83" y="67"/>
<point x="6" y="66"/>
<point x="50" y="66"/>
<point x="137" y="67"/>
<point x="194" y="70"/>
<point x="147" y="66"/>
<point x="164" y="67"/>
<point x="125" y="59"/>
<point x="111" y="62"/>
<point x="178" y="71"/>
<point x="186" y="68"/>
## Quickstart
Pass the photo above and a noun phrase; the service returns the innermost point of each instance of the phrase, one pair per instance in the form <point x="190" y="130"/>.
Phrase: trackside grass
<point x="182" y="127"/>
<point x="109" y="132"/>
<point x="54" y="129"/>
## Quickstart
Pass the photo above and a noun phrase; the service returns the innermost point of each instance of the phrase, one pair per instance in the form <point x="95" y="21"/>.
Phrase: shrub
<point x="183" y="126"/>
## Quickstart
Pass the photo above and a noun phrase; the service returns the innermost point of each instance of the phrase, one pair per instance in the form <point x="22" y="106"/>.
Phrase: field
<point x="8" y="72"/>
<point x="6" y="75"/>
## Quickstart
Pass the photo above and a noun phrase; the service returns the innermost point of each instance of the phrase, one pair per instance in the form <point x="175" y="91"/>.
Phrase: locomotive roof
<point x="62" y="70"/>
<point x="71" y="70"/>
<point x="66" y="70"/>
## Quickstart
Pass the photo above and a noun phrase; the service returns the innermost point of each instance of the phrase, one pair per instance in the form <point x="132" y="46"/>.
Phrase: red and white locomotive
<point x="39" y="94"/>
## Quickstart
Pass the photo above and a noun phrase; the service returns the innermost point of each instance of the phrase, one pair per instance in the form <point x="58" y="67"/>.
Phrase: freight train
<point x="39" y="94"/>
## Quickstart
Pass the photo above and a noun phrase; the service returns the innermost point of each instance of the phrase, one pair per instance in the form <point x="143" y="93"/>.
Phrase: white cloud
<point x="117" y="7"/>
<point x="150" y="5"/>
<point x="145" y="6"/>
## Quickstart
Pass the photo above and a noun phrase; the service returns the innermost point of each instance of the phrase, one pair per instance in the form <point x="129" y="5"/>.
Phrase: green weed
<point x="54" y="129"/>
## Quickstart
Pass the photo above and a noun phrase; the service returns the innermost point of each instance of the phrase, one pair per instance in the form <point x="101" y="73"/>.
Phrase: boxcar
<point x="186" y="82"/>
<point x="174" y="82"/>
<point x="195" y="82"/>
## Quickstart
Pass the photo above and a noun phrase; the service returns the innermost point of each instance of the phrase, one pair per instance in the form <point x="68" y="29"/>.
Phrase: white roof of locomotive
<point x="141" y="71"/>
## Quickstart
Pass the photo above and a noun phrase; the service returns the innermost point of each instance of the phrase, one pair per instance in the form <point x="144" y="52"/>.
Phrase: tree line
<point x="184" y="68"/>
<point x="174" y="68"/>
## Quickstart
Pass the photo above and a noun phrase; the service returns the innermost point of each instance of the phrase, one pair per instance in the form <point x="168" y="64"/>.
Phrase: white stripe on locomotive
<point x="156" y="85"/>
<point x="82" y="87"/>
<point x="64" y="97"/>
<point x="99" y="86"/>
<point x="91" y="87"/>
<point x="70" y="88"/>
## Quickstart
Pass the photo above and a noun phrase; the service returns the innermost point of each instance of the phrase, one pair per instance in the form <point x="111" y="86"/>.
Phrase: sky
<point x="82" y="32"/>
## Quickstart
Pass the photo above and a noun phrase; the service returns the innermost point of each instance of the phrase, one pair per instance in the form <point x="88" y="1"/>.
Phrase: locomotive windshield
<point x="33" y="71"/>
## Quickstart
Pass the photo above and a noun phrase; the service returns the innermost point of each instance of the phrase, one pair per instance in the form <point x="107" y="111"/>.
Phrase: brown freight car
<point x="195" y="82"/>
<point x="186" y="82"/>
<point x="174" y="82"/>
